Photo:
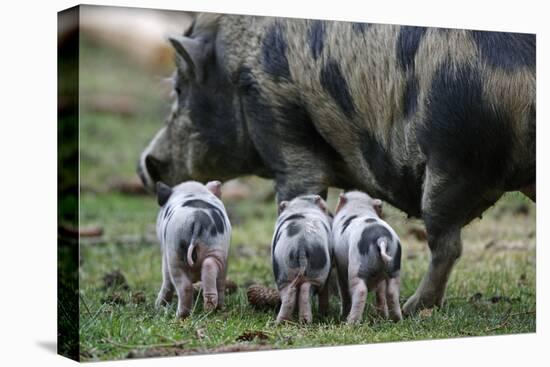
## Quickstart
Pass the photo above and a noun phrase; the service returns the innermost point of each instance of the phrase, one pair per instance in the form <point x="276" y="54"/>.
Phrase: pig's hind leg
<point x="209" y="275"/>
<point x="167" y="288"/>
<point x="358" y="292"/>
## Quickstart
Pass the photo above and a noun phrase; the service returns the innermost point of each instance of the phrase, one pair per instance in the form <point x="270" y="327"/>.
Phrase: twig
<point x="166" y="338"/>
<point x="139" y="346"/>
<point x="524" y="313"/>
<point x="507" y="318"/>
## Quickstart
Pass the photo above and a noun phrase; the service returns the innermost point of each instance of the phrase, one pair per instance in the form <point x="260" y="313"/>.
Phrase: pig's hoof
<point x="281" y="320"/>
<point x="416" y="303"/>
<point x="161" y="302"/>
<point x="183" y="314"/>
<point x="396" y="317"/>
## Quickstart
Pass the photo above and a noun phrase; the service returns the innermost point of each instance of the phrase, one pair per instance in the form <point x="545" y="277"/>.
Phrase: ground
<point x="491" y="291"/>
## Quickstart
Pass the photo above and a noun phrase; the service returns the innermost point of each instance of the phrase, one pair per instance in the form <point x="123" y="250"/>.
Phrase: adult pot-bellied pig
<point x="437" y="122"/>
<point x="194" y="232"/>
<point x="367" y="253"/>
<point x="301" y="255"/>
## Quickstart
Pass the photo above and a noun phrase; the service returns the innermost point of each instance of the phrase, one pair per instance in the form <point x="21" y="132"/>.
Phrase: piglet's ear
<point x="320" y="203"/>
<point x="377" y="204"/>
<point x="342" y="200"/>
<point x="215" y="187"/>
<point x="282" y="206"/>
<point x="163" y="193"/>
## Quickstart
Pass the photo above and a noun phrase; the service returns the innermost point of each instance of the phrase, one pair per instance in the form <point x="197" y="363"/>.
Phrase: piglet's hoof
<point x="210" y="302"/>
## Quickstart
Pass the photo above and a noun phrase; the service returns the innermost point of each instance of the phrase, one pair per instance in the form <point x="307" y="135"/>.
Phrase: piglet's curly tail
<point x="383" y="246"/>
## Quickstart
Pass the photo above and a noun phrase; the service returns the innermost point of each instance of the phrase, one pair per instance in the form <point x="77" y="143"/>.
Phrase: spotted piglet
<point x="301" y="252"/>
<point x="194" y="232"/>
<point x="367" y="252"/>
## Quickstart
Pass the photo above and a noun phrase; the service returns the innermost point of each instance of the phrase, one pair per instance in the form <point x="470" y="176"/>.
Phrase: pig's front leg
<point x="381" y="305"/>
<point x="289" y="186"/>
<point x="288" y="300"/>
<point x="392" y="294"/>
<point x="184" y="288"/>
<point x="358" y="290"/>
<point x="304" y="303"/>
<point x="209" y="274"/>
<point x="167" y="288"/>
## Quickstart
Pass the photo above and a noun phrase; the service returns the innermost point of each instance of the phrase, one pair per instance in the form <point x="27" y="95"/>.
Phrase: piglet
<point x="301" y="255"/>
<point x="367" y="253"/>
<point x="194" y="232"/>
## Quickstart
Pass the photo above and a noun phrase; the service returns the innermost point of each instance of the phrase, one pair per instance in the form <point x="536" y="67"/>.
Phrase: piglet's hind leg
<point x="184" y="289"/>
<point x="220" y="284"/>
<point x="392" y="293"/>
<point x="288" y="300"/>
<point x="381" y="305"/>
<point x="358" y="290"/>
<point x="167" y="288"/>
<point x="209" y="274"/>
<point x="304" y="305"/>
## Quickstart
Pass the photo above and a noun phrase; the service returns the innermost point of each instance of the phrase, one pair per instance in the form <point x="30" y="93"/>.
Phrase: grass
<point x="106" y="325"/>
<point x="498" y="261"/>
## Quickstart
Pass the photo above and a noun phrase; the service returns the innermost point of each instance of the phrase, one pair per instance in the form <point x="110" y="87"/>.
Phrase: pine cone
<point x="261" y="296"/>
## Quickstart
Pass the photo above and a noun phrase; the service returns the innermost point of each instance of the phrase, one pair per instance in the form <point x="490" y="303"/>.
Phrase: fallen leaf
<point x="251" y="335"/>
<point x="201" y="334"/>
<point x="138" y="297"/>
<point x="115" y="298"/>
<point x="476" y="297"/>
<point x="425" y="313"/>
<point x="497" y="299"/>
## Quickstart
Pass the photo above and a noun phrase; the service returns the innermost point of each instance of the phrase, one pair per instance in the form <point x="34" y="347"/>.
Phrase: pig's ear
<point x="163" y="193"/>
<point x="282" y="206"/>
<point x="377" y="204"/>
<point x="342" y="200"/>
<point x="215" y="187"/>
<point x="320" y="203"/>
<point x="194" y="52"/>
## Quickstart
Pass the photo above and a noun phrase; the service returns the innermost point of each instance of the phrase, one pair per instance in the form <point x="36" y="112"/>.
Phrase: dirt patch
<point x="181" y="351"/>
<point x="132" y="187"/>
